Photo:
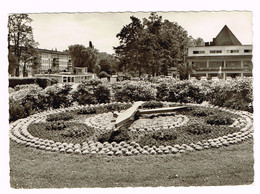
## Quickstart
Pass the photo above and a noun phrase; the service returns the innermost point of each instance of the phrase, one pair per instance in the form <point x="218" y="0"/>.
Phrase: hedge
<point x="42" y="82"/>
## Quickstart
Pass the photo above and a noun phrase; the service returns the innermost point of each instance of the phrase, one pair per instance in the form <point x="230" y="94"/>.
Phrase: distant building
<point x="54" y="60"/>
<point x="58" y="65"/>
<point x="224" y="57"/>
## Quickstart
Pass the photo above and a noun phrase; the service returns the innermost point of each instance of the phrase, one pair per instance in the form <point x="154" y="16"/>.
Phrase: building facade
<point x="224" y="57"/>
<point x="54" y="60"/>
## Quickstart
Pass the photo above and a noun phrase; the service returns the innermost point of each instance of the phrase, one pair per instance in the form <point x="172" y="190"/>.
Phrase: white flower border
<point x="19" y="133"/>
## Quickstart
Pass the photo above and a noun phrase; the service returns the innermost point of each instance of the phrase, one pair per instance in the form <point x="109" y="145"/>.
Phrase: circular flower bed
<point x="157" y="135"/>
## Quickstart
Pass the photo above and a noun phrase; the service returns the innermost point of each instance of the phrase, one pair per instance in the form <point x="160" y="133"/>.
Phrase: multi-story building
<point x="54" y="60"/>
<point x="225" y="56"/>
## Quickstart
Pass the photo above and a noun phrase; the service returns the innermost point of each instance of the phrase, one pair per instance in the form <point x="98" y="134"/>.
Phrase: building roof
<point x="225" y="37"/>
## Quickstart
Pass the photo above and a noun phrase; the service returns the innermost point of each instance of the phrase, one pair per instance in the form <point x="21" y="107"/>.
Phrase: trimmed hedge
<point x="42" y="82"/>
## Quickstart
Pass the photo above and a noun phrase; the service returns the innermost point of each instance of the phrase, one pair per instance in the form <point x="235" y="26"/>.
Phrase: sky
<point x="59" y="30"/>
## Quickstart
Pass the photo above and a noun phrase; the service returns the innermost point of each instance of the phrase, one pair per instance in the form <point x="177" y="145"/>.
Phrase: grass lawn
<point x="32" y="168"/>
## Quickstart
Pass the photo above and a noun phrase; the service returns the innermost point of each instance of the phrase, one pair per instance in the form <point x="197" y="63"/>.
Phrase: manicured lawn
<point x="32" y="168"/>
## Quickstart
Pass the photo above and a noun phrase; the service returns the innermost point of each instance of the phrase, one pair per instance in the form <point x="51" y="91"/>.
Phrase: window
<point x="215" y="51"/>
<point x="232" y="51"/>
<point x="248" y="51"/>
<point x="64" y="79"/>
<point x="215" y="64"/>
<point x="198" y="52"/>
<point x="201" y="64"/>
<point x="233" y="64"/>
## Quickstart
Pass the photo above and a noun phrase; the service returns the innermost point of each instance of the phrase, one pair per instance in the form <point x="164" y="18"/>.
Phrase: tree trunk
<point x="24" y="70"/>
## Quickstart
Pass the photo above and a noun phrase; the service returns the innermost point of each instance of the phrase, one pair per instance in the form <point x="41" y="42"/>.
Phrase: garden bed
<point x="195" y="128"/>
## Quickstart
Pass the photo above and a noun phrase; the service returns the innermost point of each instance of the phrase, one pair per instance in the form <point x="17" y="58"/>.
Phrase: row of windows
<point x="217" y="64"/>
<point x="220" y="51"/>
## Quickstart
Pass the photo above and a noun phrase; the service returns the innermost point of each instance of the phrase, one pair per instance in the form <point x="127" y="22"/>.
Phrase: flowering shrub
<point x="114" y="136"/>
<point x="235" y="94"/>
<point x="55" y="125"/>
<point x="184" y="92"/>
<point x="152" y="104"/>
<point x="158" y="138"/>
<point x="56" y="96"/>
<point x="135" y="91"/>
<point x="74" y="131"/>
<point x="197" y="128"/>
<point x="219" y="119"/>
<point x="65" y="116"/>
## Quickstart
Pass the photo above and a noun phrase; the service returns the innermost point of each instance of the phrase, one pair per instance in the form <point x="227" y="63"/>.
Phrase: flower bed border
<point x="19" y="133"/>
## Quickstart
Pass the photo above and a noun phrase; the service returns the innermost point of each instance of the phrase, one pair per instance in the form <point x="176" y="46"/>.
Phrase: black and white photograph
<point x="130" y="99"/>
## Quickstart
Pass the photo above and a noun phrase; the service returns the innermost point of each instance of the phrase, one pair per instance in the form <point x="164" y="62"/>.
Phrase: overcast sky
<point x="60" y="30"/>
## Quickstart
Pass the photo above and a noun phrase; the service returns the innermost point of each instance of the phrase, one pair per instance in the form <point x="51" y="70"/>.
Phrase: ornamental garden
<point x="60" y="119"/>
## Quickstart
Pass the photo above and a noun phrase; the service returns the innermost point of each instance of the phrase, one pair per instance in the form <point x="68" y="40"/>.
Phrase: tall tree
<point x="83" y="57"/>
<point x="20" y="38"/>
<point x="13" y="63"/>
<point x="130" y="45"/>
<point x="151" y="46"/>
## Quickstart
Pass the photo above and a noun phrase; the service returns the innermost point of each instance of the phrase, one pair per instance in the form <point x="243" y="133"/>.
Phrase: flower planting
<point x="184" y="131"/>
<point x="235" y="94"/>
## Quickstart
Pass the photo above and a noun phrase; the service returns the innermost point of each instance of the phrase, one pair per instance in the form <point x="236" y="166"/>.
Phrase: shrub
<point x="235" y="94"/>
<point x="42" y="82"/>
<point x="103" y="74"/>
<point x="64" y="116"/>
<point x="55" y="125"/>
<point x="201" y="112"/>
<point x="219" y="119"/>
<point x="135" y="91"/>
<point x="198" y="128"/>
<point x="165" y="135"/>
<point x="16" y="111"/>
<point x="56" y="96"/>
<point x="152" y="104"/>
<point x="87" y="110"/>
<point x="102" y="94"/>
<point x="74" y="131"/>
<point x="158" y="138"/>
<point x="162" y="91"/>
<point x="116" y="136"/>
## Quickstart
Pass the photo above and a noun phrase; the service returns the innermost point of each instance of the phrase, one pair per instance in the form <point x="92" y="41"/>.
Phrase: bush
<point x="152" y="104"/>
<point x="135" y="91"/>
<point x="197" y="128"/>
<point x="165" y="135"/>
<point x="102" y="94"/>
<point x="116" y="136"/>
<point x="87" y="110"/>
<point x="74" y="131"/>
<point x="16" y="111"/>
<point x="158" y="138"/>
<point x="64" y="116"/>
<point x="42" y="82"/>
<point x="219" y="119"/>
<point x="235" y="94"/>
<point x="185" y="92"/>
<point x="103" y="74"/>
<point x="201" y="112"/>
<point x="56" y="96"/>
<point x="55" y="125"/>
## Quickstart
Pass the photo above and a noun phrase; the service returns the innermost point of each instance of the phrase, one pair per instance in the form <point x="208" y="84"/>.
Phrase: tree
<point x="151" y="46"/>
<point x="13" y="63"/>
<point x="185" y="70"/>
<point x="130" y="45"/>
<point x="83" y="57"/>
<point x="20" y="38"/>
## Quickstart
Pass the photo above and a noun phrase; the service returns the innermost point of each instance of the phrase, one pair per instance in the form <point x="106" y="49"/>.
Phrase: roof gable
<point x="226" y="37"/>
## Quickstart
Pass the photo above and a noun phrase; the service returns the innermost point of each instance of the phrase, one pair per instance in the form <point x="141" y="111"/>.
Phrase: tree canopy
<point x="21" y="42"/>
<point x="153" y="45"/>
<point x="83" y="56"/>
